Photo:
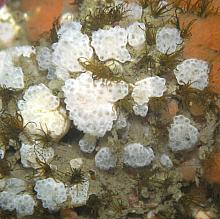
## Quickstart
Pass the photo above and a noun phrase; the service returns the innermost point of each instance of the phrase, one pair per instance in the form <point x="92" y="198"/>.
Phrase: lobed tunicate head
<point x="71" y="46"/>
<point x="167" y="40"/>
<point x="111" y="44"/>
<point x="140" y="110"/>
<point x="136" y="34"/>
<point x="166" y="161"/>
<point x="90" y="103"/>
<point x="51" y="193"/>
<point x="104" y="159"/>
<point x="148" y="87"/>
<point x="193" y="71"/>
<point x="42" y="110"/>
<point x="136" y="155"/>
<point x="87" y="143"/>
<point x="182" y="135"/>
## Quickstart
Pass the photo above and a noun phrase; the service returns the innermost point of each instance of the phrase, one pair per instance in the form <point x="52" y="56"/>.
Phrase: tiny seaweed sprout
<point x="7" y="94"/>
<point x="100" y="71"/>
<point x="167" y="62"/>
<point x="107" y="15"/>
<point x="44" y="137"/>
<point x="185" y="29"/>
<point x="150" y="33"/>
<point x="77" y="176"/>
<point x="143" y="3"/>
<point x="158" y="9"/>
<point x="205" y="8"/>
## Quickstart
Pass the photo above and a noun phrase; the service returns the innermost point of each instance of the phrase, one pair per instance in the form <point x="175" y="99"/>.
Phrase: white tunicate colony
<point x="29" y="154"/>
<point x="71" y="46"/>
<point x="10" y="76"/>
<point x="136" y="34"/>
<point x="51" y="193"/>
<point x="121" y="121"/>
<point x="87" y="143"/>
<point x="24" y="204"/>
<point x="79" y="194"/>
<point x="148" y="87"/>
<point x="104" y="159"/>
<point x="168" y="39"/>
<point x="136" y="155"/>
<point x="182" y="135"/>
<point x="7" y="32"/>
<point x="11" y="199"/>
<point x="193" y="71"/>
<point x="166" y="161"/>
<point x="111" y="44"/>
<point x="140" y="110"/>
<point x="43" y="58"/>
<point x="91" y="103"/>
<point x="42" y="110"/>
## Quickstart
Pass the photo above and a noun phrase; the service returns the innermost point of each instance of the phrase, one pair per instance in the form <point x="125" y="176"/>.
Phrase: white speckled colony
<point x="182" y="135"/>
<point x="42" y="110"/>
<point x="90" y="103"/>
<point x="111" y="44"/>
<point x="136" y="155"/>
<point x="193" y="71"/>
<point x="168" y="39"/>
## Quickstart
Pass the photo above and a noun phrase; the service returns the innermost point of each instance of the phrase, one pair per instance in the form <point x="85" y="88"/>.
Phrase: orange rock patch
<point x="42" y="15"/>
<point x="212" y="168"/>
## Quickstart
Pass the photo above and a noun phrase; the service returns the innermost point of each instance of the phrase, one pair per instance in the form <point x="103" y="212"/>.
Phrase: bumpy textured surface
<point x="7" y="200"/>
<point x="43" y="57"/>
<point x="140" y="110"/>
<point x="87" y="143"/>
<point x="91" y="103"/>
<point x="79" y="193"/>
<point x="136" y="34"/>
<point x="111" y="44"/>
<point x="29" y="153"/>
<point x="136" y="155"/>
<point x="104" y="159"/>
<point x="42" y="110"/>
<point x="71" y="46"/>
<point x="148" y="87"/>
<point x="51" y="193"/>
<point x="182" y="135"/>
<point x="24" y="204"/>
<point x="193" y="71"/>
<point x="10" y="76"/>
<point x="168" y="39"/>
<point x="166" y="161"/>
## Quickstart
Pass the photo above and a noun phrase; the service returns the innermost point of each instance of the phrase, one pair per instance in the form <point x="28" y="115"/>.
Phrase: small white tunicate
<point x="51" y="193"/>
<point x="168" y="39"/>
<point x="182" y="135"/>
<point x="140" y="110"/>
<point x="148" y="87"/>
<point x="111" y="44"/>
<point x="104" y="159"/>
<point x="136" y="34"/>
<point x="166" y="161"/>
<point x="24" y="204"/>
<point x="43" y="57"/>
<point x="87" y="143"/>
<point x="193" y="71"/>
<point x="136" y="155"/>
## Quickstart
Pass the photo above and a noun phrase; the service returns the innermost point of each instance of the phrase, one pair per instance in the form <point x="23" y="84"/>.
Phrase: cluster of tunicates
<point x="46" y="115"/>
<point x="51" y="193"/>
<point x="136" y="155"/>
<point x="90" y="103"/>
<point x="193" y="71"/>
<point x="71" y="46"/>
<point x="105" y="159"/>
<point x="182" y="135"/>
<point x="13" y="198"/>
<point x="168" y="39"/>
<point x="111" y="44"/>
